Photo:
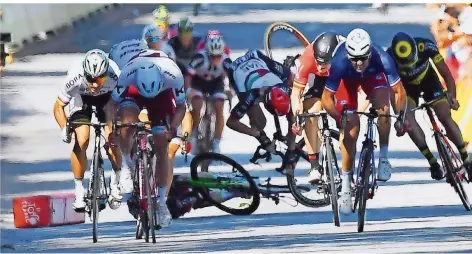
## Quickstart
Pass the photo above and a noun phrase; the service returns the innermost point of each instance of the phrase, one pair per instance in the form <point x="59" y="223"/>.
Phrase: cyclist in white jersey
<point x="257" y="78"/>
<point x="88" y="83"/>
<point x="205" y="74"/>
<point x="154" y="82"/>
<point x="122" y="52"/>
<point x="154" y="37"/>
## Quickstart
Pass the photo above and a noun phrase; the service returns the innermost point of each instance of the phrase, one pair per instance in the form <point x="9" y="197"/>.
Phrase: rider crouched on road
<point x="359" y="61"/>
<point x="150" y="81"/>
<point x="412" y="57"/>
<point x="88" y="83"/>
<point x="205" y="74"/>
<point x="315" y="62"/>
<point x="257" y="78"/>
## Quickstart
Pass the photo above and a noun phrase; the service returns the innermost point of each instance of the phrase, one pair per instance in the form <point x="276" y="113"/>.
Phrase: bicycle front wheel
<point x="362" y="184"/>
<point x="227" y="185"/>
<point x="150" y="198"/>
<point x="334" y="177"/>
<point x="95" y="195"/>
<point x="445" y="153"/>
<point x="286" y="34"/>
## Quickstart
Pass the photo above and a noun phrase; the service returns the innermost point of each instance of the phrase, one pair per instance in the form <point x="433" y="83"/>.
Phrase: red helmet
<point x="277" y="101"/>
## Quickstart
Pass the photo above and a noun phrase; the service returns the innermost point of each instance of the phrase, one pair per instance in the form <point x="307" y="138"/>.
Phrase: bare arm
<point x="400" y="97"/>
<point x="447" y="76"/>
<point x="60" y="114"/>
<point x="327" y="99"/>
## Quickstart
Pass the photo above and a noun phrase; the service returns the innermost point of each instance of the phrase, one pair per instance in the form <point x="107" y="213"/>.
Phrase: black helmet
<point x="324" y="46"/>
<point x="404" y="48"/>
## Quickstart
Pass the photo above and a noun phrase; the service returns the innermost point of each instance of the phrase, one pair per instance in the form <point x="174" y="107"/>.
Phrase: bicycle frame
<point x="369" y="140"/>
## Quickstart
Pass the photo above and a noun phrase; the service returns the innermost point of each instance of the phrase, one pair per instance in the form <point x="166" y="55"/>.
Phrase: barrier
<point x="27" y="21"/>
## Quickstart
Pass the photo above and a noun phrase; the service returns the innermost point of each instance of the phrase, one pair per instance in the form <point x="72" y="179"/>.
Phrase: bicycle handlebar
<point x="428" y="104"/>
<point x="69" y="123"/>
<point x="140" y="125"/>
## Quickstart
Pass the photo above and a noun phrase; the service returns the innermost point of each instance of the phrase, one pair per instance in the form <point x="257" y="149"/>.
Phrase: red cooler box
<point x="45" y="211"/>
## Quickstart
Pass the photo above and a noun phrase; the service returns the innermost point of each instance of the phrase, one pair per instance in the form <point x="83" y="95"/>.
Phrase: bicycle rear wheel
<point x="287" y="34"/>
<point x="95" y="195"/>
<point x="445" y="152"/>
<point x="362" y="184"/>
<point x="232" y="180"/>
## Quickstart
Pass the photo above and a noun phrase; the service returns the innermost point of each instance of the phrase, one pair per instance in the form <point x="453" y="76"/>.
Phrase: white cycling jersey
<point x="122" y="52"/>
<point x="252" y="71"/>
<point x="166" y="48"/>
<point x="171" y="74"/>
<point x="201" y="66"/>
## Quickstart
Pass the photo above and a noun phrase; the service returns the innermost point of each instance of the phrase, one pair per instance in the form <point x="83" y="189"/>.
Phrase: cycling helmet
<point x="277" y="101"/>
<point x="149" y="79"/>
<point x="404" y="48"/>
<point x="358" y="44"/>
<point x="161" y="14"/>
<point x="185" y="25"/>
<point x="215" y="44"/>
<point x="153" y="34"/>
<point x="95" y="64"/>
<point x="324" y="46"/>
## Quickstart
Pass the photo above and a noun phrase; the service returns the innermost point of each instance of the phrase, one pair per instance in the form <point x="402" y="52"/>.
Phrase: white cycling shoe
<point x="164" y="216"/>
<point x="79" y="202"/>
<point x="315" y="176"/>
<point x="345" y="202"/>
<point x="126" y="181"/>
<point x="384" y="171"/>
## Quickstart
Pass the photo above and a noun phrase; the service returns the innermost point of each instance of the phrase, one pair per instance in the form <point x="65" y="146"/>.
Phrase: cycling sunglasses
<point x="100" y="79"/>
<point x="359" y="58"/>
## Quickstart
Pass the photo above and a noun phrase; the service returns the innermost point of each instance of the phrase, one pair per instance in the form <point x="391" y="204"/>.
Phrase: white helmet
<point x="215" y="45"/>
<point x="153" y="34"/>
<point x="148" y="78"/>
<point x="358" y="43"/>
<point x="95" y="63"/>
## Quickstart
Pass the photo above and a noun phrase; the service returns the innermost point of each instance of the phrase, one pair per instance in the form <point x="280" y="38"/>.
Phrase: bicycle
<point x="297" y="190"/>
<point x="365" y="182"/>
<point x="144" y="192"/>
<point x="97" y="195"/>
<point x="331" y="177"/>
<point x="455" y="171"/>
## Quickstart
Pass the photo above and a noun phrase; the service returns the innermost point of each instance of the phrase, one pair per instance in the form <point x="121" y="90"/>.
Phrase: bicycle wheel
<point x="445" y="152"/>
<point x="298" y="180"/>
<point x="150" y="198"/>
<point x="95" y="195"/>
<point x="333" y="172"/>
<point x="362" y="184"/>
<point x="134" y="204"/>
<point x="295" y="38"/>
<point x="232" y="180"/>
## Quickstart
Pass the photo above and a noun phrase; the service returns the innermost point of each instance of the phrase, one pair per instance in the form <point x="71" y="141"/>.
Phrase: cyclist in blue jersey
<point x="359" y="62"/>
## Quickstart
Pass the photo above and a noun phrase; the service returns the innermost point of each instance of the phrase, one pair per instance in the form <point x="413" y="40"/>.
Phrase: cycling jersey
<point x="184" y="55"/>
<point x="122" y="52"/>
<point x="201" y="66"/>
<point x="171" y="74"/>
<point x="201" y="45"/>
<point x="414" y="74"/>
<point x="381" y="68"/>
<point x="250" y="72"/>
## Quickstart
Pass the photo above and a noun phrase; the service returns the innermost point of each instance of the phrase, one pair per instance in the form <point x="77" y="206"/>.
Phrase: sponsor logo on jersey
<point x="73" y="81"/>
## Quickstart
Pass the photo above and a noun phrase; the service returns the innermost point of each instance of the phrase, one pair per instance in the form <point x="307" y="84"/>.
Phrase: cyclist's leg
<point x="219" y="98"/>
<point x="78" y="155"/>
<point x="197" y="103"/>
<point x="257" y="118"/>
<point x="128" y="113"/>
<point x="379" y="93"/>
<point x="312" y="140"/>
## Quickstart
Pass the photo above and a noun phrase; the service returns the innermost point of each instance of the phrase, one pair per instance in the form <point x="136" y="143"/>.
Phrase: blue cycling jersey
<point x="341" y="67"/>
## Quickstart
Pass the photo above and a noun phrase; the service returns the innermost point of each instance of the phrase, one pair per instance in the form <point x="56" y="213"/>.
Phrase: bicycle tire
<point x="451" y="172"/>
<point x="292" y="182"/>
<point x="137" y="197"/>
<point x="332" y="183"/>
<point x="95" y="194"/>
<point x="142" y="207"/>
<point x="272" y="28"/>
<point x="151" y="201"/>
<point x="362" y="193"/>
<point x="253" y="189"/>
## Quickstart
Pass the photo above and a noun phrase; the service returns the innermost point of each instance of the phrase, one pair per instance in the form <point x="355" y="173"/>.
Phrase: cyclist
<point x="150" y="81"/>
<point x="122" y="52"/>
<point x="88" y="83"/>
<point x="161" y="20"/>
<point x="205" y="74"/>
<point x="155" y="39"/>
<point x="313" y="71"/>
<point x="359" y="61"/>
<point x="412" y="57"/>
<point x="210" y="34"/>
<point x="257" y="78"/>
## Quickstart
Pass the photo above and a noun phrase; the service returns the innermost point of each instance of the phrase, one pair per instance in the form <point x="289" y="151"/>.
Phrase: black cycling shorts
<point x="85" y="114"/>
<point x="430" y="86"/>
<point x="316" y="91"/>
<point x="205" y="86"/>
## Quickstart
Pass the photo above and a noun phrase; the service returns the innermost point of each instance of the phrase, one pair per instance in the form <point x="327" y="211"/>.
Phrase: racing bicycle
<point x="455" y="170"/>
<point x="97" y="194"/>
<point x="143" y="203"/>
